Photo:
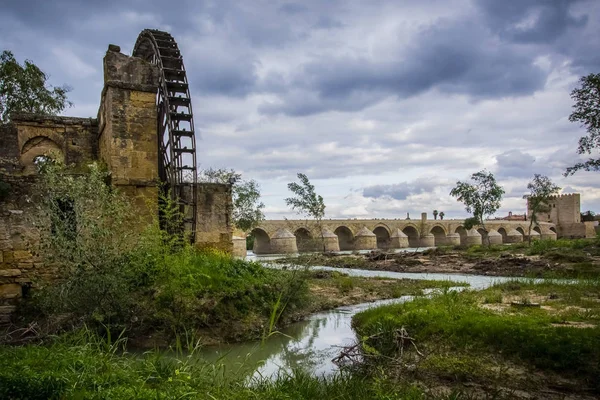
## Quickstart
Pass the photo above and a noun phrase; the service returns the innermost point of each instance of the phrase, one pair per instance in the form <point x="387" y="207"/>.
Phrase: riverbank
<point x="85" y="365"/>
<point x="562" y="258"/>
<point x="519" y="339"/>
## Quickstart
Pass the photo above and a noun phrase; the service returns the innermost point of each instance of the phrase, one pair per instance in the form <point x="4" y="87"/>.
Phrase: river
<point x="312" y="344"/>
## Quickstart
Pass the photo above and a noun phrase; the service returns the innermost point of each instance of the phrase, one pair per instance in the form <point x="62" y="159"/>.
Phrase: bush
<point x="113" y="276"/>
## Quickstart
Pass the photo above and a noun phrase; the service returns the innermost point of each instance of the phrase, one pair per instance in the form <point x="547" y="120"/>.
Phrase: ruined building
<point x="143" y="133"/>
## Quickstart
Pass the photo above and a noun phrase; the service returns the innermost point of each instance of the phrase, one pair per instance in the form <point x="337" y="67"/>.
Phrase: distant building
<point x="512" y="217"/>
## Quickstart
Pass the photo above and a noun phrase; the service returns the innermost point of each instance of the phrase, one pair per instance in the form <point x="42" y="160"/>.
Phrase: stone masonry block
<point x="9" y="272"/>
<point x="10" y="291"/>
<point x="21" y="255"/>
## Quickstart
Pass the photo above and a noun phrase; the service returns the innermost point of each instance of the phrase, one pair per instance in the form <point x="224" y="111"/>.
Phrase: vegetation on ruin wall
<point x="483" y="337"/>
<point x="111" y="276"/>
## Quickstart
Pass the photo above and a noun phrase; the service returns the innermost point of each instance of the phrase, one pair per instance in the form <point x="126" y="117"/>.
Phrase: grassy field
<point x="519" y="335"/>
<point x="81" y="366"/>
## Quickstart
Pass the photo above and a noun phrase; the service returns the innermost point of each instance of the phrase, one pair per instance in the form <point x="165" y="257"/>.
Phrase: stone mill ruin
<point x="143" y="133"/>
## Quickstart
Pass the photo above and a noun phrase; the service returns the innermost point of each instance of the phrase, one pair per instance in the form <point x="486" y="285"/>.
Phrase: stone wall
<point x="577" y="230"/>
<point x="214" y="206"/>
<point x="19" y="239"/>
<point x="127" y="137"/>
<point x="67" y="139"/>
<point x="564" y="210"/>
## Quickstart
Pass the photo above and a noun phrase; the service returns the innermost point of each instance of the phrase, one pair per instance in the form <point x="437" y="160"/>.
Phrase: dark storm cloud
<point x="454" y="57"/>
<point x="531" y="21"/>
<point x="566" y="27"/>
<point x="401" y="191"/>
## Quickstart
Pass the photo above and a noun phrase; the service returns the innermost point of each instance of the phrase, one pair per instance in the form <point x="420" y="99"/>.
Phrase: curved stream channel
<point x="312" y="344"/>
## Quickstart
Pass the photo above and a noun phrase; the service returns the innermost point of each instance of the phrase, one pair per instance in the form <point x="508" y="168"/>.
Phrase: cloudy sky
<point x="383" y="104"/>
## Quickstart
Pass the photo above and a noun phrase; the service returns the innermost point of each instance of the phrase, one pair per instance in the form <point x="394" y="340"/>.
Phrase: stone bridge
<point x="292" y="236"/>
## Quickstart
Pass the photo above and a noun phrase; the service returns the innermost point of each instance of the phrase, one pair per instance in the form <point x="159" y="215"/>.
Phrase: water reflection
<point x="308" y="345"/>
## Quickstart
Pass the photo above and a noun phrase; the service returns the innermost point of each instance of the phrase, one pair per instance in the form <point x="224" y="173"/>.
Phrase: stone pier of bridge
<point x="293" y="236"/>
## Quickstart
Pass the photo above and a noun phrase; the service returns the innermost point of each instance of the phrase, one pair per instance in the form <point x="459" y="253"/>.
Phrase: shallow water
<point x="313" y="343"/>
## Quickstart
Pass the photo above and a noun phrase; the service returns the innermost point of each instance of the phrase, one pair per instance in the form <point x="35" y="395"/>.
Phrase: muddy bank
<point x="458" y="262"/>
<point x="327" y="290"/>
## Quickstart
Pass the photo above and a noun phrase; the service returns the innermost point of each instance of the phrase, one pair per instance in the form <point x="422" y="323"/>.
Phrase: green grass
<point x="168" y="294"/>
<point x="82" y="367"/>
<point x="458" y="322"/>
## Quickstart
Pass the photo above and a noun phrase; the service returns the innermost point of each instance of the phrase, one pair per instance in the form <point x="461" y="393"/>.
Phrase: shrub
<point x="115" y="275"/>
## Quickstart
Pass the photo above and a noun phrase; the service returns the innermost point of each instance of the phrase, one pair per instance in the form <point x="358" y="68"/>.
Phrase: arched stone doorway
<point x="383" y="237"/>
<point x="345" y="238"/>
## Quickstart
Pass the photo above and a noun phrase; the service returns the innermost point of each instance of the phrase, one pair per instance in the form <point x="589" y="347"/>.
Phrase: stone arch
<point x="345" y="237"/>
<point x="520" y="230"/>
<point x="462" y="233"/>
<point x="304" y="240"/>
<point x="439" y="234"/>
<point x="502" y="231"/>
<point x="36" y="147"/>
<point x="262" y="241"/>
<point x="537" y="229"/>
<point x="413" y="235"/>
<point x="383" y="237"/>
<point x="553" y="229"/>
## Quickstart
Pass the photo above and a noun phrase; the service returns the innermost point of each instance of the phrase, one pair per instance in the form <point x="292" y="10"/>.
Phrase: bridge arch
<point x="304" y="240"/>
<point x="502" y="231"/>
<point x="383" y="237"/>
<point x="345" y="237"/>
<point x="553" y="229"/>
<point x="262" y="241"/>
<point x="462" y="232"/>
<point x="439" y="234"/>
<point x="520" y="230"/>
<point x="537" y="229"/>
<point x="413" y="235"/>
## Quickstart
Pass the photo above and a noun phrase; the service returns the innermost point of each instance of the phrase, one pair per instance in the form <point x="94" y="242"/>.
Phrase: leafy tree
<point x="587" y="113"/>
<point x="481" y="198"/>
<point x="307" y="202"/>
<point x="540" y="189"/>
<point x="588" y="216"/>
<point x="23" y="88"/>
<point x="435" y="214"/>
<point x="247" y="207"/>
<point x="442" y="215"/>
